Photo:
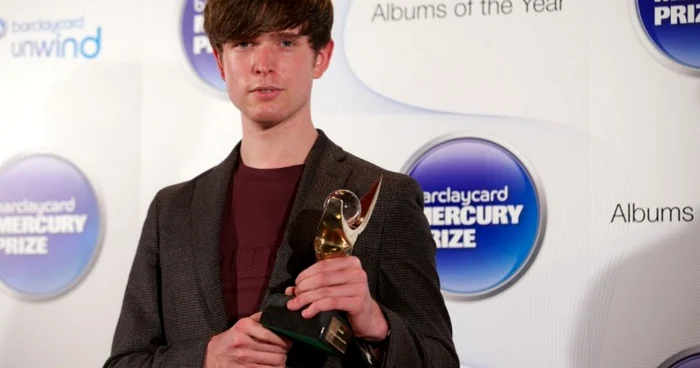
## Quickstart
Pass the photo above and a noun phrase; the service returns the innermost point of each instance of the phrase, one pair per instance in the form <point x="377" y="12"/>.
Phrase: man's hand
<point x="247" y="344"/>
<point x="340" y="284"/>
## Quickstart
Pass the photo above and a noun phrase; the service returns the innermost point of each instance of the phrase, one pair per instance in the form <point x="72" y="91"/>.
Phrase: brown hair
<point x="228" y="20"/>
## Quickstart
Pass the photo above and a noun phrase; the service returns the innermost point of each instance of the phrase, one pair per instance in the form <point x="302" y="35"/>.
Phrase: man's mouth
<point x="266" y="89"/>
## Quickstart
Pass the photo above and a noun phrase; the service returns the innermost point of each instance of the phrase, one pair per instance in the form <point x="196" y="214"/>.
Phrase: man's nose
<point x="264" y="60"/>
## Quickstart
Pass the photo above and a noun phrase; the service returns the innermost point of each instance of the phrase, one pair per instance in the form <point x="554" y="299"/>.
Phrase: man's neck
<point x="286" y="144"/>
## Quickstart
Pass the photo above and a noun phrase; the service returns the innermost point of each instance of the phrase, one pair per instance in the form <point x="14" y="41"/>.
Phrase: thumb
<point x="256" y="317"/>
<point x="290" y="291"/>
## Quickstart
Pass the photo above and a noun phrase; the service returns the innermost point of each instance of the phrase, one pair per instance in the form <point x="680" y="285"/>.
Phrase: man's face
<point x="269" y="78"/>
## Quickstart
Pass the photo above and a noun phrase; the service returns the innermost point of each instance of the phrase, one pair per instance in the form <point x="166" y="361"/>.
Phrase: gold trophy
<point x="343" y="220"/>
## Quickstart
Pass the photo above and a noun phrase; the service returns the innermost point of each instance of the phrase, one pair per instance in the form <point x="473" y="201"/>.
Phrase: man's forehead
<point x="293" y="32"/>
<point x="290" y="33"/>
<point x="286" y="33"/>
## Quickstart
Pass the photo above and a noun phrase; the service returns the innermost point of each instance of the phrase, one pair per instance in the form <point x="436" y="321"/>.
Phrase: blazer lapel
<point x="325" y="171"/>
<point x="208" y="204"/>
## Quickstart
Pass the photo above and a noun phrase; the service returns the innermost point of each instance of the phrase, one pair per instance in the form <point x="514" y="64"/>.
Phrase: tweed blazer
<point x="173" y="302"/>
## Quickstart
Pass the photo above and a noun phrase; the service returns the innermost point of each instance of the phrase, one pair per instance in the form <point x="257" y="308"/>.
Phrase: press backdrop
<point x="556" y="142"/>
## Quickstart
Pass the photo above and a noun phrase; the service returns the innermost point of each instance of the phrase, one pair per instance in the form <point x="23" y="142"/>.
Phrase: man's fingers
<point x="331" y="278"/>
<point x="264" y="359"/>
<point x="357" y="290"/>
<point x="329" y="265"/>
<point x="267" y="336"/>
<point x="348" y="304"/>
<point x="246" y="342"/>
<point x="254" y="329"/>
<point x="289" y="291"/>
<point x="260" y="345"/>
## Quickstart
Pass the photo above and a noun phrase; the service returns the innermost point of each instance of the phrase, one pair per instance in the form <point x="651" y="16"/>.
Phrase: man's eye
<point x="287" y="43"/>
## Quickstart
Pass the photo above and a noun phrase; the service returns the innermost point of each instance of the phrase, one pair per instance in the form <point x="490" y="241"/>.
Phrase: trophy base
<point x="328" y="332"/>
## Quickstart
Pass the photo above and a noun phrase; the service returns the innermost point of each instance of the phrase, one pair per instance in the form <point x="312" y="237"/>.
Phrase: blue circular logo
<point x="673" y="27"/>
<point x="50" y="226"/>
<point x="689" y="358"/>
<point x="485" y="212"/>
<point x="3" y="28"/>
<point x="200" y="54"/>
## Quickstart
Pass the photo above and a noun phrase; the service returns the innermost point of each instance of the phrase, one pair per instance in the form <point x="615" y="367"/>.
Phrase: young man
<point x="214" y="248"/>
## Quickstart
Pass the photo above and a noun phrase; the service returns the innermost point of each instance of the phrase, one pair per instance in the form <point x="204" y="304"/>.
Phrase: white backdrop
<point x="577" y="93"/>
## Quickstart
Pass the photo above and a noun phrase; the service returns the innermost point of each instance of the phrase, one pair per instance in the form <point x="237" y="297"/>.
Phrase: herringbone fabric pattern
<point x="173" y="303"/>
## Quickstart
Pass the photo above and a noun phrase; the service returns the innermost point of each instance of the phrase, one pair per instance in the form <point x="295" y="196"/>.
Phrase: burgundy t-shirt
<point x="252" y="230"/>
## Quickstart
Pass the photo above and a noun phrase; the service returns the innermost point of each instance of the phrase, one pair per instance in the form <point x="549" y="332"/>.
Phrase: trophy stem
<point x="327" y="250"/>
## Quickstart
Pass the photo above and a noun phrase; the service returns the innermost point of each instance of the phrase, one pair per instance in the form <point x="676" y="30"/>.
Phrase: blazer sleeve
<point x="139" y="339"/>
<point x="409" y="288"/>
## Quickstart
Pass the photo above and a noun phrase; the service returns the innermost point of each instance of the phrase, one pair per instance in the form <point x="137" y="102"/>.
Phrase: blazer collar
<point x="208" y="204"/>
<point x="326" y="170"/>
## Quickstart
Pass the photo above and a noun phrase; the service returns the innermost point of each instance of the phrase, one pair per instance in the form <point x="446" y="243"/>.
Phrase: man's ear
<point x="323" y="59"/>
<point x="219" y="63"/>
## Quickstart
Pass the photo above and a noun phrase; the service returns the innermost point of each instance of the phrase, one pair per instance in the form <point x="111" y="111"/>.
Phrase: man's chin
<point x="266" y="125"/>
<point x="266" y="121"/>
<point x="269" y="118"/>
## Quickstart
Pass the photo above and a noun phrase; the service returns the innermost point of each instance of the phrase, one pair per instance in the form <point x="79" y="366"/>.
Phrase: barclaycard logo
<point x="670" y="29"/>
<point x="689" y="358"/>
<point x="49" y="234"/>
<point x="3" y="28"/>
<point x="66" y="38"/>
<point x="197" y="49"/>
<point x="486" y="212"/>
